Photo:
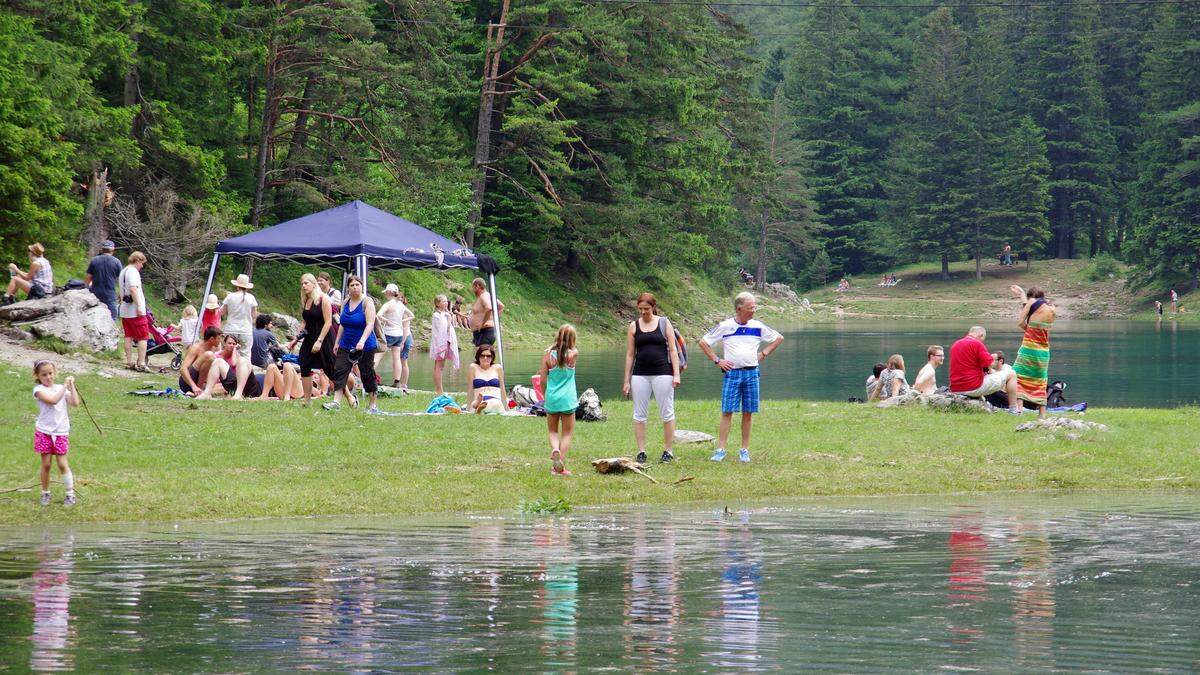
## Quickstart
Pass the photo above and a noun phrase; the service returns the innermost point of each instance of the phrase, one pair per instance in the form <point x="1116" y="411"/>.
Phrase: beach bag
<point x="680" y="344"/>
<point x="440" y="403"/>
<point x="589" y="409"/>
<point x="525" y="397"/>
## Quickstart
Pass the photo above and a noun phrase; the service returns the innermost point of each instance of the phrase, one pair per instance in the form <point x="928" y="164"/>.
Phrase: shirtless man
<point x="483" y="324"/>
<point x="926" y="382"/>
<point x="198" y="360"/>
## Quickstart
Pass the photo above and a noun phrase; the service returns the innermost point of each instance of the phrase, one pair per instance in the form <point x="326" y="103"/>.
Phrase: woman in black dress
<point x="316" y="351"/>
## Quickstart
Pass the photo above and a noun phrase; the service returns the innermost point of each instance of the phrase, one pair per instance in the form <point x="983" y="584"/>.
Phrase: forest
<point x="613" y="139"/>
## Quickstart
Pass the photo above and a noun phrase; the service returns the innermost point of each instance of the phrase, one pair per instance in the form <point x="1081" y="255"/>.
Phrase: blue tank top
<point x="354" y="322"/>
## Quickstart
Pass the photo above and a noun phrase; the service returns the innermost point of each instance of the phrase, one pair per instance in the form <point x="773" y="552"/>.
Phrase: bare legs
<point x="438" y="366"/>
<point x="562" y="427"/>
<point x="44" y="474"/>
<point x="216" y="373"/>
<point x="17" y="283"/>
<point x="243" y="374"/>
<point x="639" y="434"/>
<point x="404" y="374"/>
<point x="1010" y="388"/>
<point x="726" y="423"/>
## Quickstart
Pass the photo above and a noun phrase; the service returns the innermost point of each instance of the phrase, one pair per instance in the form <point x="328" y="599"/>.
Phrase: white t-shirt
<point x="130" y="279"/>
<point x="391" y="317"/>
<point x="741" y="340"/>
<point x="187" y="331"/>
<point x="239" y="307"/>
<point x="52" y="419"/>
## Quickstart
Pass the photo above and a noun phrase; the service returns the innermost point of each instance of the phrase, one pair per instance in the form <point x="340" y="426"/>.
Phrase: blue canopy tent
<point x="359" y="237"/>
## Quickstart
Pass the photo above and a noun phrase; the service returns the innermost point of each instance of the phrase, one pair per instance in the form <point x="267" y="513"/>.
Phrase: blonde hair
<point x="564" y="342"/>
<point x="189" y="312"/>
<point x="438" y="299"/>
<point x="896" y="362"/>
<point x="37" y="249"/>
<point x="315" y="295"/>
<point x="137" y="257"/>
<point x="42" y="363"/>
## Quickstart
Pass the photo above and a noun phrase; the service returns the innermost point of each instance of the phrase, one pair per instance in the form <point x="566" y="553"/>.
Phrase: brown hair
<point x="39" y="364"/>
<point x="933" y="348"/>
<point x="1035" y="292"/>
<point x="1000" y="356"/>
<point x="485" y="349"/>
<point x="647" y="297"/>
<point x="564" y="342"/>
<point x="896" y="362"/>
<point x="352" y="279"/>
<point x="879" y="367"/>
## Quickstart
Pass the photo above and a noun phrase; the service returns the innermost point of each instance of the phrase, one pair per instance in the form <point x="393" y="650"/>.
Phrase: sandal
<point x="556" y="463"/>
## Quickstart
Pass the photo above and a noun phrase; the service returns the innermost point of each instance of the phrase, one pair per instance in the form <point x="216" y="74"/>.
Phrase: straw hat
<point x="391" y="288"/>
<point x="243" y="282"/>
<point x="212" y="302"/>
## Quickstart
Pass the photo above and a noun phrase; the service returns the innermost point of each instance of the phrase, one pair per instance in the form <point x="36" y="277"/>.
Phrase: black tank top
<point x="650" y="355"/>
<point x="314" y="321"/>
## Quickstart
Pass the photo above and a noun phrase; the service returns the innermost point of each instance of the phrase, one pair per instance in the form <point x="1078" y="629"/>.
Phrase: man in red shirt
<point x="971" y="371"/>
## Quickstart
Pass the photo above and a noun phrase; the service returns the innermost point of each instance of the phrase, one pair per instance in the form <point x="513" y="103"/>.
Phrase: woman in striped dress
<point x="1033" y="359"/>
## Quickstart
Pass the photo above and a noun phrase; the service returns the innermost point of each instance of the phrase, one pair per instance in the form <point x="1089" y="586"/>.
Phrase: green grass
<point x="163" y="460"/>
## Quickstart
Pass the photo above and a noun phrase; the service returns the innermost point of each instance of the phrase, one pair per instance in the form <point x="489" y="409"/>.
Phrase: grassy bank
<point x="163" y="460"/>
<point x="1078" y="289"/>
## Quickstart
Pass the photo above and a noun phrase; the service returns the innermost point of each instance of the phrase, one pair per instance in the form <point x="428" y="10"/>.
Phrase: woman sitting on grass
<point x="485" y="382"/>
<point x="891" y="381"/>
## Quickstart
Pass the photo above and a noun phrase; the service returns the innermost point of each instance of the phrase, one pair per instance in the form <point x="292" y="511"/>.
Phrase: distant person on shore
<point x="1174" y="302"/>
<point x="461" y="318"/>
<point x="193" y="370"/>
<point x="651" y="369"/>
<point x="1006" y="258"/>
<point x="396" y="319"/>
<point x="133" y="312"/>
<point x="741" y="335"/>
<point x="843" y="285"/>
<point x="558" y="372"/>
<point x="101" y="278"/>
<point x="356" y="345"/>
<point x="36" y="283"/>
<point x="316" y="349"/>
<point x="443" y="341"/>
<point x="485" y="383"/>
<point x="188" y="330"/>
<point x="51" y="431"/>
<point x="971" y="374"/>
<point x="926" y="382"/>
<point x="892" y="381"/>
<point x="483" y="321"/>
<point x="211" y="316"/>
<point x="873" y="378"/>
<point x="1032" y="365"/>
<point x="1158" y="309"/>
<point x="240" y="310"/>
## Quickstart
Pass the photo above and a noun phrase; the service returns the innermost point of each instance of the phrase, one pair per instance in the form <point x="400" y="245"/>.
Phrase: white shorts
<point x="642" y="386"/>
<point x="992" y="383"/>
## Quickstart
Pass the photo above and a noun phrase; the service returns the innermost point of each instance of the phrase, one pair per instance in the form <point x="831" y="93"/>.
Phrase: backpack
<point x="589" y="409"/>
<point x="524" y="396"/>
<point x="680" y="345"/>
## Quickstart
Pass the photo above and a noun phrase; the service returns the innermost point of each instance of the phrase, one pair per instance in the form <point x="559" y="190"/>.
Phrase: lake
<point x="997" y="583"/>
<point x="1106" y="363"/>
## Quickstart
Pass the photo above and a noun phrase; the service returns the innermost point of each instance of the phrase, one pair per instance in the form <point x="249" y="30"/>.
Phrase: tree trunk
<point x="945" y="266"/>
<point x="97" y="227"/>
<point x="760" y="276"/>
<point x="299" y="139"/>
<point x="132" y="94"/>
<point x="483" y="125"/>
<point x="978" y="250"/>
<point x="267" y="130"/>
<point x="1062" y="226"/>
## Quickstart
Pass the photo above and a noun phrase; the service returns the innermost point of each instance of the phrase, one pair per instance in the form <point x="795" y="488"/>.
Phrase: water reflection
<point x="853" y="586"/>
<point x="52" y="637"/>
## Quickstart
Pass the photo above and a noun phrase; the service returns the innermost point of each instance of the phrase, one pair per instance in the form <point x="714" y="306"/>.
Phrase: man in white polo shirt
<point x="742" y="336"/>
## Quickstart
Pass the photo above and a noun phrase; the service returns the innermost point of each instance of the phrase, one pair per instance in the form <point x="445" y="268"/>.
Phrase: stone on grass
<point x="781" y="292"/>
<point x="685" y="436"/>
<point x="75" y="317"/>
<point x="939" y="401"/>
<point x="288" y="324"/>
<point x="1054" y="424"/>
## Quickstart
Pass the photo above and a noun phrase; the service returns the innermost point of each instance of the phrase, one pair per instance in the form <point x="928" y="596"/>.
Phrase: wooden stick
<point x="684" y="480"/>
<point x="88" y="411"/>
<point x="639" y="471"/>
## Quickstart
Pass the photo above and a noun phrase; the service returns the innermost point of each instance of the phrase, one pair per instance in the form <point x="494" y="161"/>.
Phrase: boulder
<point x="781" y="292"/>
<point x="940" y="401"/>
<point x="15" y="334"/>
<point x="286" y="323"/>
<point x="75" y="317"/>
<point x="1054" y="424"/>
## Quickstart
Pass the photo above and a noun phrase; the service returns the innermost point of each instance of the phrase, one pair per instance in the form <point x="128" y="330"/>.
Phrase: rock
<point x="288" y="324"/>
<point x="1054" y="424"/>
<point x="15" y="334"/>
<point x="939" y="401"/>
<point x="685" y="436"/>
<point x="781" y="292"/>
<point x="75" y="317"/>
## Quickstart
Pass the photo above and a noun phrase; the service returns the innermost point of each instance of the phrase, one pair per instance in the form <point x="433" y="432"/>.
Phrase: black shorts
<point x="484" y="336"/>
<point x="366" y="369"/>
<point x="36" y="292"/>
<point x="184" y="386"/>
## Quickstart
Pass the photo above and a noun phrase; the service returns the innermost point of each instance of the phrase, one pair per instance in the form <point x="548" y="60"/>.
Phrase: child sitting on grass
<point x="50" y="431"/>
<point x="558" y="372"/>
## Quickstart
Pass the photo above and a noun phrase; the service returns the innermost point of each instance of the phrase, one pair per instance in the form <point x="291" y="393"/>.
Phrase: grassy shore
<point x="164" y="460"/>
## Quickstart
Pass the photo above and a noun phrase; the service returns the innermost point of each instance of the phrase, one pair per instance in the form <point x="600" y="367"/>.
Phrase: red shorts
<point x="45" y="444"/>
<point x="135" y="328"/>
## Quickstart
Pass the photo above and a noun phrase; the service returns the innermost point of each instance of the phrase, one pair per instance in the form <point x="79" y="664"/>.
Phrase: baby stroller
<point x="162" y="342"/>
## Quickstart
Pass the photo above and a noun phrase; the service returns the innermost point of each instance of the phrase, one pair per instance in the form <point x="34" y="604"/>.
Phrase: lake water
<point x="1106" y="363"/>
<point x="1099" y="582"/>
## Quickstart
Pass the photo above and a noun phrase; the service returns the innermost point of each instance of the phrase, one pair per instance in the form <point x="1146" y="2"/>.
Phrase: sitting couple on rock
<point x="214" y="366"/>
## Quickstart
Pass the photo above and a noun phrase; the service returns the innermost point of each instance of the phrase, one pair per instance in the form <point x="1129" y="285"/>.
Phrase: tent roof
<point x="349" y="230"/>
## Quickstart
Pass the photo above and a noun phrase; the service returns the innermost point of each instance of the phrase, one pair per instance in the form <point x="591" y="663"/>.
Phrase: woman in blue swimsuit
<point x="485" y="382"/>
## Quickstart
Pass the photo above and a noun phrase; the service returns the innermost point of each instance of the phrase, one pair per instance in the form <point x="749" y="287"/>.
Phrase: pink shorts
<point x="45" y="444"/>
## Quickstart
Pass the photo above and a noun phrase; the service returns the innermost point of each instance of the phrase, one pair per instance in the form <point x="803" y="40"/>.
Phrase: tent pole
<point x="212" y="274"/>
<point x="496" y="314"/>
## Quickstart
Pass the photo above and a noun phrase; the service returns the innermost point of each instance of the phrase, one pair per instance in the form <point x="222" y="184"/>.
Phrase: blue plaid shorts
<point x="739" y="393"/>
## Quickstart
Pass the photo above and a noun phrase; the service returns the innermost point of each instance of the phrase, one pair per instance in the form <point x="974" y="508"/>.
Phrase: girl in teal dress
<point x="558" y="372"/>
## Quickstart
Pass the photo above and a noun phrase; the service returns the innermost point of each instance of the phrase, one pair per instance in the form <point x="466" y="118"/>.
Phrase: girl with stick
<point x="51" y="430"/>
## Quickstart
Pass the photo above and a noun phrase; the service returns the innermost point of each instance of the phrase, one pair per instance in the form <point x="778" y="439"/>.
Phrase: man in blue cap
<point x="101" y="278"/>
